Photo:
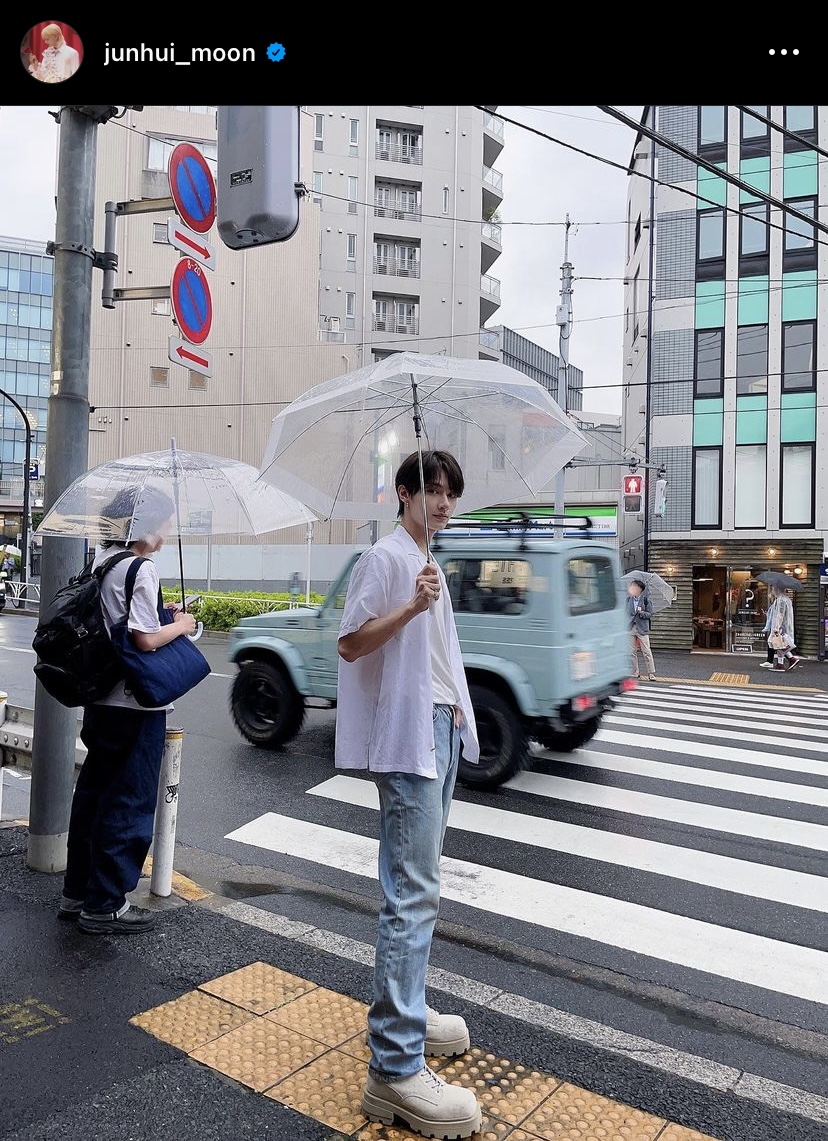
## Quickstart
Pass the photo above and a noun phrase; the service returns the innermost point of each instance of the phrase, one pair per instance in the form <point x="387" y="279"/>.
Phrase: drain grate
<point x="730" y="679"/>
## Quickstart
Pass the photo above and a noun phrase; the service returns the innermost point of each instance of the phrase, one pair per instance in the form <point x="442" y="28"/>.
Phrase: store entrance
<point x="729" y="608"/>
<point x="709" y="607"/>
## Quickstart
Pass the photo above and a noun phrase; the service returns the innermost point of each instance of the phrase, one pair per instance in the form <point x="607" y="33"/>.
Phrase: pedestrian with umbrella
<point x="403" y="709"/>
<point x="113" y="806"/>
<point x="640" y="611"/>
<point x="648" y="594"/>
<point x="779" y="621"/>
<point x="352" y="448"/>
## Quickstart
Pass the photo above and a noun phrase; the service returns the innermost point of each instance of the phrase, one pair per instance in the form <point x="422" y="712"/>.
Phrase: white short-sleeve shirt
<point x="385" y="700"/>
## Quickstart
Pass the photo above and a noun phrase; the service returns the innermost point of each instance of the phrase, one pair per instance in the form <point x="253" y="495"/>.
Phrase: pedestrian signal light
<point x="633" y="494"/>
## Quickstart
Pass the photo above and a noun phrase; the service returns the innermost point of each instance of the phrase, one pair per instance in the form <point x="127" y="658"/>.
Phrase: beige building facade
<point x="397" y="234"/>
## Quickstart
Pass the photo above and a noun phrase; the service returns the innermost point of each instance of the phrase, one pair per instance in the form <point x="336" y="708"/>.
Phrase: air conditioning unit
<point x="382" y="267"/>
<point x="379" y="324"/>
<point x="385" y="154"/>
<point x="333" y="324"/>
<point x="403" y="328"/>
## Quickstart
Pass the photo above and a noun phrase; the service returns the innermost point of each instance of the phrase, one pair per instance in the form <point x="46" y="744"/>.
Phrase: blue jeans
<point x="113" y="807"/>
<point x="413" y="817"/>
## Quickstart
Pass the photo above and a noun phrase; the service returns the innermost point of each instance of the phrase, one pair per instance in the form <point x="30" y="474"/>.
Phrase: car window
<point x="488" y="586"/>
<point x="591" y="585"/>
<point x="336" y="599"/>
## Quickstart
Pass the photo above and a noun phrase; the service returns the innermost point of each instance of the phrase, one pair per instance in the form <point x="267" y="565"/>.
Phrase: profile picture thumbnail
<point x="51" y="51"/>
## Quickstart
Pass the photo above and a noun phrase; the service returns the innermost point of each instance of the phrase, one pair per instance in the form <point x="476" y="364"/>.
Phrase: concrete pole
<point x="67" y="434"/>
<point x="563" y="318"/>
<point x="166" y="814"/>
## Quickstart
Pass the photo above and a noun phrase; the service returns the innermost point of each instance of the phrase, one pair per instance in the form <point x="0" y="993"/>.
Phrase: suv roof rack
<point x="520" y="525"/>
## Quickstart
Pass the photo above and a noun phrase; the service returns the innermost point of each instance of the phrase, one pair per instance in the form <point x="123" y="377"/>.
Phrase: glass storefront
<point x="729" y="608"/>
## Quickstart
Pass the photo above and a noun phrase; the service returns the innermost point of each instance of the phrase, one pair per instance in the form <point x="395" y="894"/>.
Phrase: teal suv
<point x="542" y="626"/>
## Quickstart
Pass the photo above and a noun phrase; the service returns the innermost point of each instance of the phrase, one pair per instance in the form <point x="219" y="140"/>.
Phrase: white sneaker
<point x="766" y="665"/>
<point x="426" y="1104"/>
<point x="446" y="1034"/>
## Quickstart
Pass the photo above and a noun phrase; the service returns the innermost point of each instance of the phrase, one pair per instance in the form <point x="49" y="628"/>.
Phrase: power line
<point x="809" y="145"/>
<point x="662" y="140"/>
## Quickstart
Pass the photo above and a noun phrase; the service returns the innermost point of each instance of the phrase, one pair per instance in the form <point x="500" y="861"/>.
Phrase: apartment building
<point x="725" y="334"/>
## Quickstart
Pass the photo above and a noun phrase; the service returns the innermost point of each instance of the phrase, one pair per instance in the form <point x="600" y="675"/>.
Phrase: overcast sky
<point x="542" y="183"/>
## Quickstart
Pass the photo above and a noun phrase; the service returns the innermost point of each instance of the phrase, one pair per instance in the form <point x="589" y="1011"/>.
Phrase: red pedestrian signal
<point x="632" y="494"/>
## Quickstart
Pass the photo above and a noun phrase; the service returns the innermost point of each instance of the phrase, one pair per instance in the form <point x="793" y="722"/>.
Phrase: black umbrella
<point x="779" y="578"/>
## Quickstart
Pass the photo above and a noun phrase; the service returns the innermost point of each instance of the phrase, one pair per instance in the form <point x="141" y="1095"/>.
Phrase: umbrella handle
<point x="199" y="630"/>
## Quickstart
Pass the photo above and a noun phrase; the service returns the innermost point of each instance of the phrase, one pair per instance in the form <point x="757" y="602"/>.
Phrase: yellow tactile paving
<point x="191" y="1020"/>
<point x="328" y="1090"/>
<point x="323" y="1014"/>
<point x="182" y="886"/>
<point x="505" y="1089"/>
<point x="258" y="987"/>
<point x="260" y="1053"/>
<point x="730" y="679"/>
<point x="304" y="1046"/>
<point x="573" y="1114"/>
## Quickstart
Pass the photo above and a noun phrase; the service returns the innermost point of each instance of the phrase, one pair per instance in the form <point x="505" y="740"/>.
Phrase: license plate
<point x="582" y="665"/>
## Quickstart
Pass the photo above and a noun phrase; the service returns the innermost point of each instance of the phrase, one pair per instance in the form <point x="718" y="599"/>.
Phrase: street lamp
<point x="24" y="529"/>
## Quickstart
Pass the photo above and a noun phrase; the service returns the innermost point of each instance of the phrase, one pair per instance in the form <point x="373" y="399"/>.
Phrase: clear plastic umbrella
<point x="337" y="447"/>
<point x="659" y="591"/>
<point x="211" y="495"/>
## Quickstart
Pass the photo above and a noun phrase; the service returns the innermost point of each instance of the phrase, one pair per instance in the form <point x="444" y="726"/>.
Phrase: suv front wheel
<point x="266" y="706"/>
<point x="503" y="744"/>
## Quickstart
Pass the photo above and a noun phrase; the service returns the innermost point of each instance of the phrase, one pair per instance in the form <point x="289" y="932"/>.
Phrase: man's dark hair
<point x="639" y="582"/>
<point x="434" y="462"/>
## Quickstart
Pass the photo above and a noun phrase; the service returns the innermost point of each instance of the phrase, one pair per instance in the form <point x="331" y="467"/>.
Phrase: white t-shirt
<point x="143" y="613"/>
<point x="385" y="702"/>
<point x="442" y="678"/>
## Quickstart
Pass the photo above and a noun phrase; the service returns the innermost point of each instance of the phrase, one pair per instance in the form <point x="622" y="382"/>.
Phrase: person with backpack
<point x="113" y="806"/>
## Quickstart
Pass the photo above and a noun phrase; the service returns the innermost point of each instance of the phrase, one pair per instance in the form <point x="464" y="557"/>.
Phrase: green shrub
<point x="221" y="611"/>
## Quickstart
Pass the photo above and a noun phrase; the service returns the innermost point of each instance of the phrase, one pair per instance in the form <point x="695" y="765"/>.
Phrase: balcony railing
<point x="403" y="213"/>
<point x="397" y="267"/>
<point x="393" y="324"/>
<point x="494" y="125"/>
<point x="490" y="340"/>
<point x="492" y="231"/>
<point x="400" y="152"/>
<point x="490" y="285"/>
<point x="493" y="178"/>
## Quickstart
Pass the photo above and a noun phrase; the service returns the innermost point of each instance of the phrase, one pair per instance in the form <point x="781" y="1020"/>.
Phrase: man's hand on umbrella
<point x="426" y="587"/>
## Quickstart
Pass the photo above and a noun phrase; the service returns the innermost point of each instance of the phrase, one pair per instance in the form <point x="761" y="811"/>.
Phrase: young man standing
<point x="402" y="712"/>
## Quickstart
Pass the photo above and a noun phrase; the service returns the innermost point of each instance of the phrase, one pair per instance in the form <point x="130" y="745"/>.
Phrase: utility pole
<point x="563" y="319"/>
<point x="67" y="436"/>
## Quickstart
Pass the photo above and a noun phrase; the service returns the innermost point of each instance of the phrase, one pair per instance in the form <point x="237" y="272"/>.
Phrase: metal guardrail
<point x="17" y="734"/>
<point x="21" y="593"/>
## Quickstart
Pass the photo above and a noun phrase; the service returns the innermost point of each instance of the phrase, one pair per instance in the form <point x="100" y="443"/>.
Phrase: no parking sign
<point x="191" y="301"/>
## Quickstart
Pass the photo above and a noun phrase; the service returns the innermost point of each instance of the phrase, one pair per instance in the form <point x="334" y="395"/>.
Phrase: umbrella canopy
<point x="338" y="446"/>
<point x="779" y="578"/>
<point x="212" y="495"/>
<point x="659" y="591"/>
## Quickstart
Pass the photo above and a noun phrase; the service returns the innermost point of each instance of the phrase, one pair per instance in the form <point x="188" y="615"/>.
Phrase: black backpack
<point x="77" y="663"/>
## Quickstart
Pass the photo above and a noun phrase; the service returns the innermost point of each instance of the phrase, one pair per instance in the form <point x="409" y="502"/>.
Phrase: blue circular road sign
<point x="191" y="301"/>
<point x="192" y="187"/>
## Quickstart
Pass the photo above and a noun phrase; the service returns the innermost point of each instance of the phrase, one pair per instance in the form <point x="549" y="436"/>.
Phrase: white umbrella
<point x="659" y="591"/>
<point x="337" y="447"/>
<point x="212" y="495"/>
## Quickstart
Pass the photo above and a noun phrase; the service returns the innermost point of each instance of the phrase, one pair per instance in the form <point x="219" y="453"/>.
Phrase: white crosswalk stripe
<point x="712" y="803"/>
